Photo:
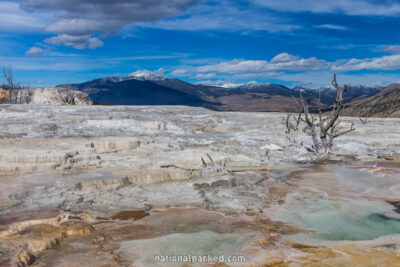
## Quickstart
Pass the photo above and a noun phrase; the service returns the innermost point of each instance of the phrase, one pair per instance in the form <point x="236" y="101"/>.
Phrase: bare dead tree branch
<point x="367" y="115"/>
<point x="8" y="76"/>
<point x="292" y="126"/>
<point x="322" y="128"/>
<point x="364" y="121"/>
<point x="11" y="86"/>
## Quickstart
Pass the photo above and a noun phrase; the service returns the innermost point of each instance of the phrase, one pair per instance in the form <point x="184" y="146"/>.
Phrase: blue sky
<point x="290" y="42"/>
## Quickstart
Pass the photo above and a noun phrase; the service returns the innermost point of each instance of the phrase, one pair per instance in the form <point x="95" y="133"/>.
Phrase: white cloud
<point x="281" y="62"/>
<point x="226" y="16"/>
<point x="205" y="76"/>
<point x="13" y="19"/>
<point x="179" y="72"/>
<point x="391" y="62"/>
<point x="79" y="42"/>
<point x="349" y="7"/>
<point x="75" y="26"/>
<point x="332" y="27"/>
<point x="79" y="20"/>
<point x="287" y="67"/>
<point x="284" y="57"/>
<point x="35" y="51"/>
<point x="392" y="48"/>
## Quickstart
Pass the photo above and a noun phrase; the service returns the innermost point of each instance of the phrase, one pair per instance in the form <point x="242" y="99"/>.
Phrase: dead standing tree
<point x="14" y="93"/>
<point x="9" y="77"/>
<point x="322" y="128"/>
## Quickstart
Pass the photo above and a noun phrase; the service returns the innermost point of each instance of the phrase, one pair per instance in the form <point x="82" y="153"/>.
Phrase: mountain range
<point x="385" y="103"/>
<point x="150" y="89"/>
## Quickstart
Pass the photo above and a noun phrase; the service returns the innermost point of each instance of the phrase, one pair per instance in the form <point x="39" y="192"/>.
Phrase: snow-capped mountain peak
<point x="253" y="84"/>
<point x="145" y="75"/>
<point x="231" y="85"/>
<point x="247" y="85"/>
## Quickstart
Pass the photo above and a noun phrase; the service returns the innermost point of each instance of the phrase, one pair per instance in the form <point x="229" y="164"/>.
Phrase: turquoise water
<point x="353" y="210"/>
<point x="337" y="220"/>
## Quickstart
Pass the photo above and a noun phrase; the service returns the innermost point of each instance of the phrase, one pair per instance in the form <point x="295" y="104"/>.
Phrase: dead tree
<point x="289" y="125"/>
<point x="364" y="121"/>
<point x="70" y="96"/>
<point x="14" y="89"/>
<point x="9" y="77"/>
<point x="322" y="128"/>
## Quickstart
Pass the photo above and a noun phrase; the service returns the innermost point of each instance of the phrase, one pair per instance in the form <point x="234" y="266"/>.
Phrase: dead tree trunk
<point x="8" y="76"/>
<point x="15" y="93"/>
<point x="323" y="129"/>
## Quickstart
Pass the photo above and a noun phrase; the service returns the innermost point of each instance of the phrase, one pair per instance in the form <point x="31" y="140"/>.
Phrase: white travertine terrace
<point x="90" y="162"/>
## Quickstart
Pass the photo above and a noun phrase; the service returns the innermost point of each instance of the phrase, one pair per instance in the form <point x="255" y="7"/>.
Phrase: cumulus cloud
<point x="287" y="65"/>
<point x="79" y="42"/>
<point x="284" y="57"/>
<point x="349" y="7"/>
<point x="246" y="69"/>
<point x="78" y="20"/>
<point x="35" y="51"/>
<point x="283" y="61"/>
<point x="391" y="62"/>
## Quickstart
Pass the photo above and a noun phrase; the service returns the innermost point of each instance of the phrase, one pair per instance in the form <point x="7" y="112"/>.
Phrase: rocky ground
<point x="95" y="185"/>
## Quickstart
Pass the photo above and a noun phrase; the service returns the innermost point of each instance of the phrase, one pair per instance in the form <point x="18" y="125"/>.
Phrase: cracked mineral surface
<point x="118" y="186"/>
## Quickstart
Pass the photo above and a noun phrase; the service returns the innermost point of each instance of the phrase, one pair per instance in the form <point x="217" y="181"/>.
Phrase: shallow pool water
<point x="354" y="210"/>
<point x="335" y="220"/>
<point x="183" y="244"/>
<point x="378" y="185"/>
